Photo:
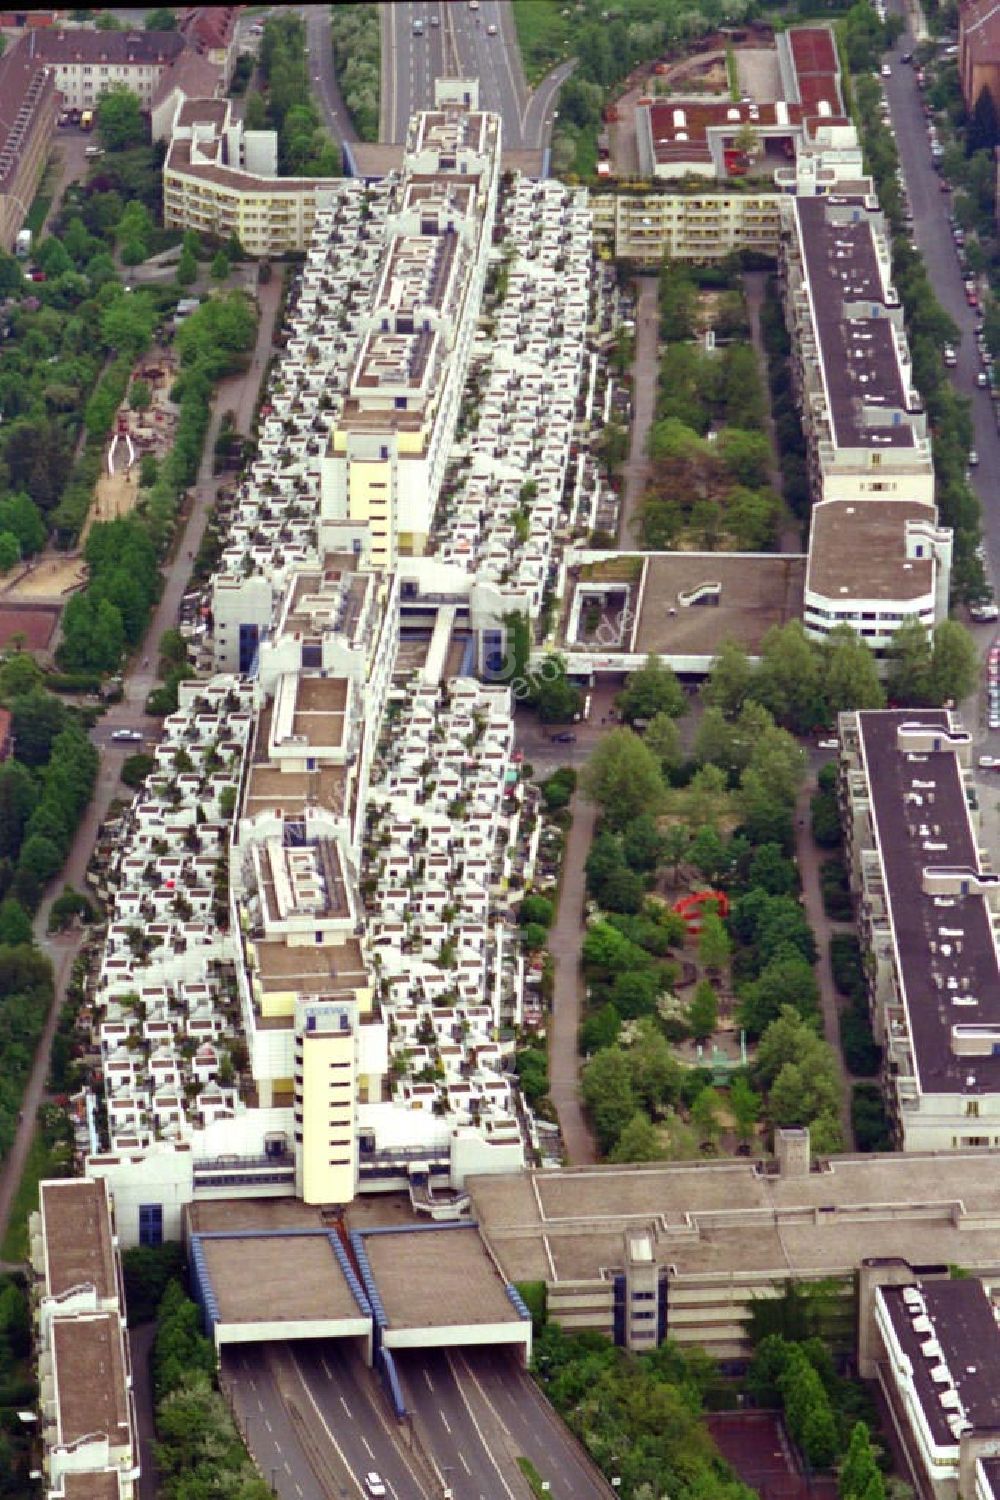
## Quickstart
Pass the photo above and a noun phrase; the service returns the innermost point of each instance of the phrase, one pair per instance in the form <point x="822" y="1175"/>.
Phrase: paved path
<point x="755" y="287"/>
<point x="237" y="393"/>
<point x="565" y="940"/>
<point x="809" y="858"/>
<point x="635" y="474"/>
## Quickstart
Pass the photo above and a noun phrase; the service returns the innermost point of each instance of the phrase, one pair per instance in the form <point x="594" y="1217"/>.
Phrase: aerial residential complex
<point x="310" y="963"/>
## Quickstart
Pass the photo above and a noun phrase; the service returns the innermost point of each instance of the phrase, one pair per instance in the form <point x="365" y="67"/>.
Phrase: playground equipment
<point x="122" y="435"/>
<point x="691" y="908"/>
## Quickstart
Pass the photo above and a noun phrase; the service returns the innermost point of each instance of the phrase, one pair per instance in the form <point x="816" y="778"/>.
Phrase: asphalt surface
<point x="494" y="1380"/>
<point x="460" y="44"/>
<point x="480" y="1412"/>
<point x="411" y="63"/>
<point x="324" y="81"/>
<point x="932" y="234"/>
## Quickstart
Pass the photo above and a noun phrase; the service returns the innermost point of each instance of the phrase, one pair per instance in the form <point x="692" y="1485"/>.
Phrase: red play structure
<point x="691" y="908"/>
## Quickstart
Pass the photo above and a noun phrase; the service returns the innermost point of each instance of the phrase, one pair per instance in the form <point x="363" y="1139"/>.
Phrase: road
<point x="496" y="1381"/>
<point x="933" y="238"/>
<point x="481" y="1411"/>
<point x="461" y="43"/>
<point x="327" y="93"/>
<point x="237" y="393"/>
<point x="411" y="63"/>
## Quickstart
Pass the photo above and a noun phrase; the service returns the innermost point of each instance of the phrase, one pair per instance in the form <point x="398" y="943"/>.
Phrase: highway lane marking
<point x="464" y="1462"/>
<point x="479" y="1431"/>
<point x="327" y="1371"/>
<point x="350" y="1415"/>
<point x="288" y="1470"/>
<point x="444" y="1419"/>
<point x="367" y="1446"/>
<point x="299" y="1488"/>
<point x="325" y="1426"/>
<point x="427" y="1377"/>
<point x="267" y="1424"/>
<point x="260" y="1404"/>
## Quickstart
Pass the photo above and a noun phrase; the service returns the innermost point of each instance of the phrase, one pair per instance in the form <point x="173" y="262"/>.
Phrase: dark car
<point x="566" y="738"/>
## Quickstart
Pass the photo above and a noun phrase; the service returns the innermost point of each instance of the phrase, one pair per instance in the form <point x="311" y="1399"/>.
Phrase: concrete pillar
<point x="641" y="1290"/>
<point x="873" y="1273"/>
<point x="791" y="1147"/>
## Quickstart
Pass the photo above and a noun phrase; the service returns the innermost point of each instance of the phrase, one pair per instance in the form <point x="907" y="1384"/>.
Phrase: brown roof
<point x="179" y="160"/>
<point x="99" y="1485"/>
<point x="54" y="45"/>
<point x="858" y="548"/>
<point x="979" y="29"/>
<point x="23" y="81"/>
<point x="90" y="1378"/>
<point x="77" y="1227"/>
<point x="210" y="25"/>
<point x="194" y="75"/>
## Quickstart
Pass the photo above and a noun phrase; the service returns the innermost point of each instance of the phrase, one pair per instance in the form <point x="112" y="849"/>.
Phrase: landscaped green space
<point x="51" y="1155"/>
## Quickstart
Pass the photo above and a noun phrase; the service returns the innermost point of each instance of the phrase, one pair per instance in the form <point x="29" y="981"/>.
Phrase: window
<point x="151" y="1224"/>
<point x="972" y="1108"/>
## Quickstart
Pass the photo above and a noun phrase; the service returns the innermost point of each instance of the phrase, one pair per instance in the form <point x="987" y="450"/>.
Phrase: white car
<point x="374" y="1485"/>
<point x="886" y="71"/>
<point x="127" y="736"/>
<point x="829" y="744"/>
<point x="973" y="458"/>
<point x="987" y="762"/>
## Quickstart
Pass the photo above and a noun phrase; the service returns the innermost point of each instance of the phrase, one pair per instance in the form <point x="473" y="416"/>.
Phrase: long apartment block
<point x="90" y="1445"/>
<point x="311" y="969"/>
<point x="928" y="904"/>
<point x="877" y="555"/>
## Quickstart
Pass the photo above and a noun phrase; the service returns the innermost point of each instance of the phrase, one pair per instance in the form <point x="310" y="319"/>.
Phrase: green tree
<point x="954" y="664"/>
<point x="20" y="517"/>
<point x="652" y="690"/>
<point x="160" y="19"/>
<point x="119" y="120"/>
<point x="220" y="267"/>
<point x="788" y="681"/>
<point x="623" y="777"/>
<point x="127" y="323"/>
<point x="552" y="693"/>
<point x="744" y="1106"/>
<point x="15" y="924"/>
<point x="606" y="1089"/>
<point x="663" y="738"/>
<point x="746" y="455"/>
<point x="10" y="551"/>
<point x="641" y="843"/>
<point x="187" y="266"/>
<point x="703" y="1012"/>
<point x="728" y="682"/>
<point x="788" y="980"/>
<point x="909" y="659"/>
<point x="705" y="1116"/>
<point x="851" y="678"/>
<point x="713" y="943"/>
<point x="639" y="1141"/>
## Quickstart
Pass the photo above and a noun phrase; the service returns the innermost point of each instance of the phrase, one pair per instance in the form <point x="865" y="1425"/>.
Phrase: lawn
<point x="542" y="33"/>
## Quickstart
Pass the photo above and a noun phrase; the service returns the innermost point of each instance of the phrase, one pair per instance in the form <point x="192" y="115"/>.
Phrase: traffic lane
<point x="265" y="1424"/>
<point x="457" y="1445"/>
<point x="337" y="1380"/>
<point x="540" y="113"/>
<point x="485" y="57"/>
<point x="512" y="1397"/>
<point x="931" y="208"/>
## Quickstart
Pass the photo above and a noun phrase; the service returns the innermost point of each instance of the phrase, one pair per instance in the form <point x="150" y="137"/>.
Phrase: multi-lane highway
<point x="452" y="39"/>
<point x="315" y="1422"/>
<point x="479" y="1411"/>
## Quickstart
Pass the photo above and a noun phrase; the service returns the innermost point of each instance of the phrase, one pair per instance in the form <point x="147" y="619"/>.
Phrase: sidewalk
<point x="565" y="940"/>
<point x="809" y="858"/>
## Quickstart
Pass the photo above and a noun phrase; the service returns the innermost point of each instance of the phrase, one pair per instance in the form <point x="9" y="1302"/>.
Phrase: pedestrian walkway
<point x="635" y="475"/>
<point x="565" y="941"/>
<point x="809" y="859"/>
